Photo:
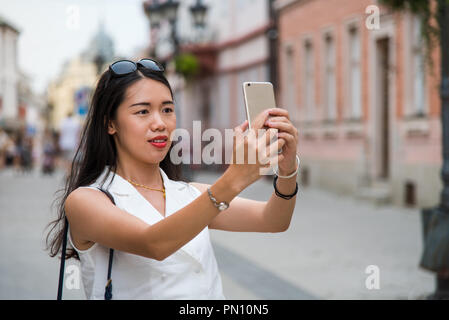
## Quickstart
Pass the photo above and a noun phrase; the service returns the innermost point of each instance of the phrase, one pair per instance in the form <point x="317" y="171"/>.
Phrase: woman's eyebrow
<point x="149" y="103"/>
<point x="140" y="103"/>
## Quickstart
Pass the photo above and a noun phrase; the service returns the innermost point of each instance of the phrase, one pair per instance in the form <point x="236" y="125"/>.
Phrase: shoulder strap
<point x="108" y="288"/>
<point x="62" y="265"/>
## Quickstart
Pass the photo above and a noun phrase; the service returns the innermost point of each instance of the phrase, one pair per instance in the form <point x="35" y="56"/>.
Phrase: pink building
<point x="365" y="102"/>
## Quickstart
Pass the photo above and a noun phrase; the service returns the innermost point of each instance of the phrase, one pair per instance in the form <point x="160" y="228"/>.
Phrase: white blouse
<point x="189" y="273"/>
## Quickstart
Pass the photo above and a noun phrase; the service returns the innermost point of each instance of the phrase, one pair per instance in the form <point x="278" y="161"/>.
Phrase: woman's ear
<point x="111" y="127"/>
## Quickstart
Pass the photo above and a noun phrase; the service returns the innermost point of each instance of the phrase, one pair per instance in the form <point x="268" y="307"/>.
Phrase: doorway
<point x="383" y="108"/>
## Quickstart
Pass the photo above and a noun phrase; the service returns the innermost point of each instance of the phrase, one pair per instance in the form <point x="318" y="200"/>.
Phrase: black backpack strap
<point x="108" y="288"/>
<point x="62" y="265"/>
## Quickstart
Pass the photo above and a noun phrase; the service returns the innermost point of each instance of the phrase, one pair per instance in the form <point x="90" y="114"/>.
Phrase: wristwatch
<point x="221" y="206"/>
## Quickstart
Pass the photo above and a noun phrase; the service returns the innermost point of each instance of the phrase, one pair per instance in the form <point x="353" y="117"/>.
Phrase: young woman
<point x="159" y="225"/>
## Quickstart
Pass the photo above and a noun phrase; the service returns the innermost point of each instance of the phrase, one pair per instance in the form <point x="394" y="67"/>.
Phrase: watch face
<point x="222" y="206"/>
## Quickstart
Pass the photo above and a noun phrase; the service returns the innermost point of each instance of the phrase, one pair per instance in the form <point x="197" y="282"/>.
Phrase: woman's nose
<point x="157" y="123"/>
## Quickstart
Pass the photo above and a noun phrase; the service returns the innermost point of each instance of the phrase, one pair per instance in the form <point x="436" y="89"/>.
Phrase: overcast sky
<point x="53" y="31"/>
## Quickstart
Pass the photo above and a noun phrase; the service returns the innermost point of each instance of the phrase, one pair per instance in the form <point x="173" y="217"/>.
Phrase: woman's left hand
<point x="279" y="119"/>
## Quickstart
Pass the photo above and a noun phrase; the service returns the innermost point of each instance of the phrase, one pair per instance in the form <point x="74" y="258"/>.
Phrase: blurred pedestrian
<point x="17" y="138"/>
<point x="22" y="157"/>
<point x="10" y="150"/>
<point x="68" y="140"/>
<point x="26" y="155"/>
<point x="4" y="138"/>
<point x="49" y="153"/>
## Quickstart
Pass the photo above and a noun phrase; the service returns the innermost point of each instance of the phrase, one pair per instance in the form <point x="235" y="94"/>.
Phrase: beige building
<point x="72" y="89"/>
<point x="77" y="73"/>
<point x="9" y="75"/>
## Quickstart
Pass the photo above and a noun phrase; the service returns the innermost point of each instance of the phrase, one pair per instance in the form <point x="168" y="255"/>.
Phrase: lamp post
<point x="199" y="12"/>
<point x="154" y="13"/>
<point x="158" y="11"/>
<point x="170" y="11"/>
<point x="273" y="35"/>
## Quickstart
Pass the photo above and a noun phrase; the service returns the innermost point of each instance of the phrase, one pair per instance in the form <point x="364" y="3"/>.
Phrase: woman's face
<point x="146" y="112"/>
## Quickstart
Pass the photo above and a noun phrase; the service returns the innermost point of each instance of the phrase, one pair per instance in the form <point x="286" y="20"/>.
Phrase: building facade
<point x="71" y="91"/>
<point x="9" y="75"/>
<point x="231" y="49"/>
<point x="364" y="99"/>
<point x="77" y="74"/>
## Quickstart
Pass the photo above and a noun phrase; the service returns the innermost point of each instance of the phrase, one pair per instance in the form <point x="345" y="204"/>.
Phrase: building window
<point x="330" y="109"/>
<point x="225" y="101"/>
<point x="242" y="77"/>
<point x="308" y="81"/>
<point x="290" y="94"/>
<point x="355" y="94"/>
<point x="418" y="67"/>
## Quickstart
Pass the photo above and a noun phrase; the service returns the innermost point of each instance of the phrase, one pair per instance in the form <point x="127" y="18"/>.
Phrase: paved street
<point x="323" y="255"/>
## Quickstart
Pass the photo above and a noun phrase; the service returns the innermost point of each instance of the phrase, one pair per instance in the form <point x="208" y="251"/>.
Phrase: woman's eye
<point x="140" y="112"/>
<point x="168" y="110"/>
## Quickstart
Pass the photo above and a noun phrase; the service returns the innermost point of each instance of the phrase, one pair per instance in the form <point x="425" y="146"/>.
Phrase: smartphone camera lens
<point x="249" y="84"/>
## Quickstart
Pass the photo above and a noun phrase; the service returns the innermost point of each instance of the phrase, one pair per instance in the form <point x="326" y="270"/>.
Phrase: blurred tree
<point x="435" y="220"/>
<point x="187" y="64"/>
<point x="429" y="16"/>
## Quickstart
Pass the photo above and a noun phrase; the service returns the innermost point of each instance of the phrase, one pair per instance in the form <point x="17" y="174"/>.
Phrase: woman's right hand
<point x="253" y="153"/>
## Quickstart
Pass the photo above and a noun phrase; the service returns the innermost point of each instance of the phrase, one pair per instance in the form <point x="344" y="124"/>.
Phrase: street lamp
<point x="198" y="12"/>
<point x="154" y="13"/>
<point x="168" y="10"/>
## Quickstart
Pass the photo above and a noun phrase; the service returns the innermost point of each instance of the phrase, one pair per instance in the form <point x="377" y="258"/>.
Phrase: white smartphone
<point x="259" y="96"/>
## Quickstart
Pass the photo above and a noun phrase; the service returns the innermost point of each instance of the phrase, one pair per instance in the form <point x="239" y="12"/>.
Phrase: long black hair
<point x="97" y="148"/>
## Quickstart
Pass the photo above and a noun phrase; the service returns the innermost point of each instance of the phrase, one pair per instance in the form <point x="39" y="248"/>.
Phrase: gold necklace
<point x="143" y="186"/>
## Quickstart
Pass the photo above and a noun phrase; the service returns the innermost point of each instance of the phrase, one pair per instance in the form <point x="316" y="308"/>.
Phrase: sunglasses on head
<point x="124" y="67"/>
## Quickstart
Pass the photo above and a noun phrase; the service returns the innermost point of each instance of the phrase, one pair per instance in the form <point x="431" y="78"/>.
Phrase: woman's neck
<point x="147" y="174"/>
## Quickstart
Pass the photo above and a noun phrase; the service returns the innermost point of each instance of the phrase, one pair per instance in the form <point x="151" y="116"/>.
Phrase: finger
<point x="275" y="146"/>
<point x="277" y="118"/>
<point x="279" y="112"/>
<point x="238" y="139"/>
<point x="242" y="127"/>
<point x="266" y="137"/>
<point x="266" y="153"/>
<point x="273" y="161"/>
<point x="260" y="119"/>
<point x="283" y="126"/>
<point x="290" y="139"/>
<point x="271" y="135"/>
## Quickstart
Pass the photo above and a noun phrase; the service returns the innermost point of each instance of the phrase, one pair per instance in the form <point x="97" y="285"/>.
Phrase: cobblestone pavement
<point x="323" y="255"/>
